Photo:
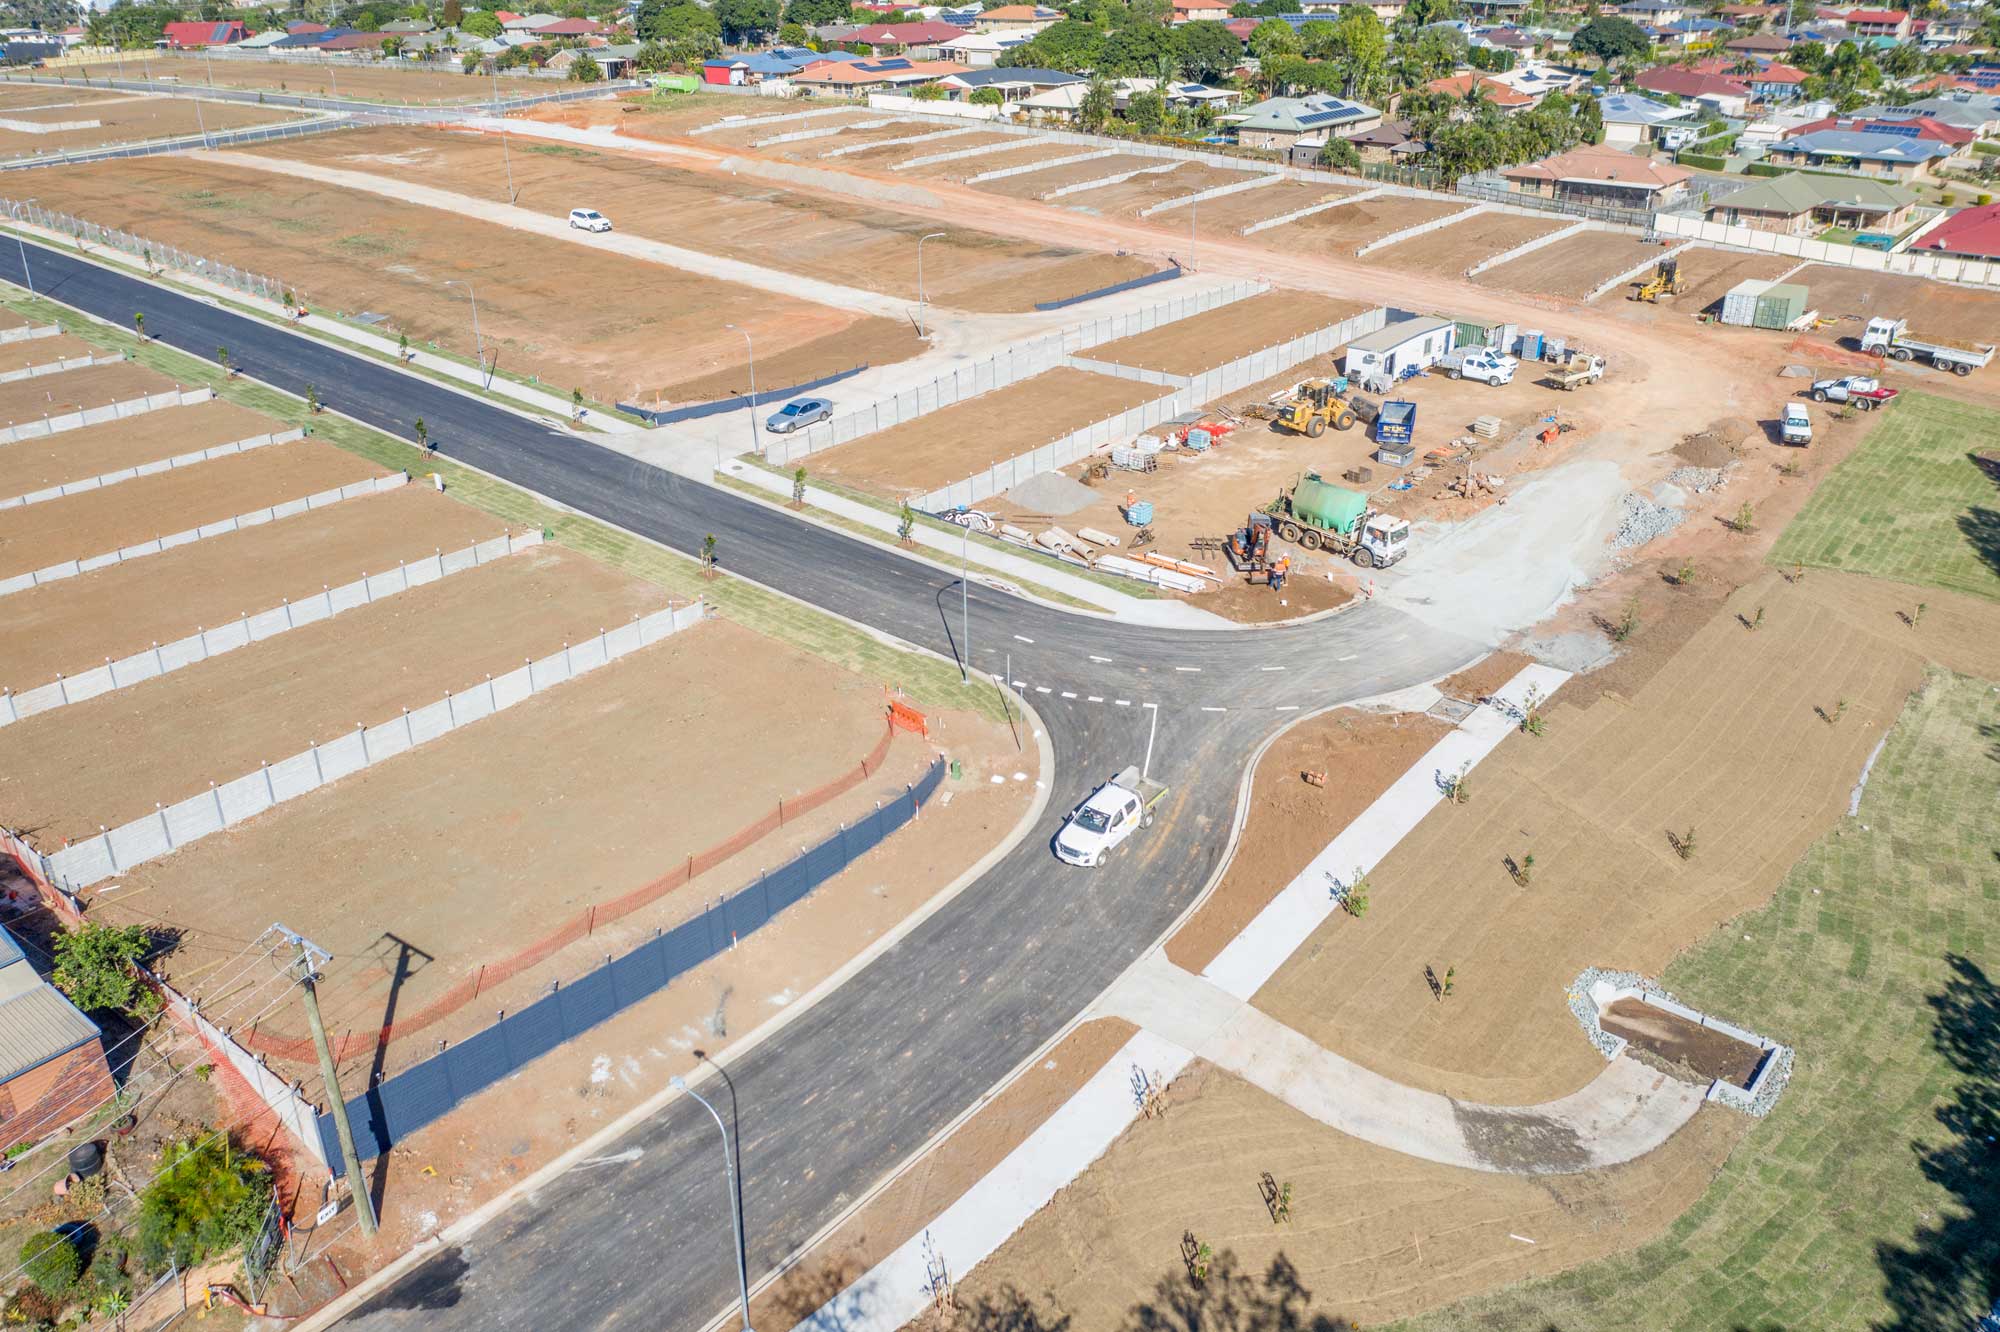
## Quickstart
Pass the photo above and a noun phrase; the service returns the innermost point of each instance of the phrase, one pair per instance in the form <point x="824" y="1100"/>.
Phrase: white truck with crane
<point x="1892" y="338"/>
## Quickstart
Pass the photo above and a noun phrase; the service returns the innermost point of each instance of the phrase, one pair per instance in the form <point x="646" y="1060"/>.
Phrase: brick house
<point x="52" y="1066"/>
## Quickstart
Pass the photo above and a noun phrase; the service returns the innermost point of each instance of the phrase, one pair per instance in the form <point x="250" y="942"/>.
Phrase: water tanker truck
<point x="1320" y="516"/>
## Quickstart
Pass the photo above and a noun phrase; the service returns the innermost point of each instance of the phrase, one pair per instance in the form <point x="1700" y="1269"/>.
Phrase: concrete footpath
<point x="1623" y="1113"/>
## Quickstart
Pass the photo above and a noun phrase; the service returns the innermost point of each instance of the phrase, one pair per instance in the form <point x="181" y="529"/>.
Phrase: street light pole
<point x="935" y="235"/>
<point x="965" y="601"/>
<point x="26" y="276"/>
<point x="753" y="389"/>
<point x="478" y="342"/>
<point x="513" y="195"/>
<point x="1193" y="209"/>
<point x="680" y="1084"/>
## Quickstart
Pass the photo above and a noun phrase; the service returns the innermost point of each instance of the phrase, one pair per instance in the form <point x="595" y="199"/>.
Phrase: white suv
<point x="589" y="219"/>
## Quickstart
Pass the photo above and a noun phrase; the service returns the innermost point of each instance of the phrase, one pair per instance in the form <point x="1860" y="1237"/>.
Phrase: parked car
<point x="797" y="413"/>
<point x="1796" y="427"/>
<point x="588" y="219"/>
<point x="1481" y="363"/>
<point x="1864" y="391"/>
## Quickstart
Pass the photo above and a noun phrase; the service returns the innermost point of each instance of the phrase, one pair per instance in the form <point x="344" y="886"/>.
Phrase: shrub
<point x="208" y="1198"/>
<point x="94" y="966"/>
<point x="1702" y="161"/>
<point x="51" y="1261"/>
<point x="1764" y="169"/>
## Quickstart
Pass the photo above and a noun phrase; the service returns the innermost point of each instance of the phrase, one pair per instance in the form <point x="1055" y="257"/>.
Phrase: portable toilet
<point x="1531" y="346"/>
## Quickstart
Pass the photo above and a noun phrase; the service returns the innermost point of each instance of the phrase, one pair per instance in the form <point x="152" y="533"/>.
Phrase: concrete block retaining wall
<point x="897" y="143"/>
<point x="1203" y="196"/>
<point x="1103" y="182"/>
<point x="1424" y="228"/>
<point x="744" y="122"/>
<point x="1004" y="172"/>
<point x="823" y="132"/>
<point x="111" y="411"/>
<point x="1633" y="273"/>
<point x="160" y="659"/>
<point x="57" y="367"/>
<point x="171" y="827"/>
<point x="72" y="568"/>
<point x="1529" y="247"/>
<point x="26" y="331"/>
<point x="1006" y="367"/>
<point x="1131" y="372"/>
<point x="1307" y="211"/>
<point x="103" y="479"/>
<point x="1971" y="272"/>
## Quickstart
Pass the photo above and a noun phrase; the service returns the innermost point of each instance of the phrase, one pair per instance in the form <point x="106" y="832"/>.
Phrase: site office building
<point x="1395" y="350"/>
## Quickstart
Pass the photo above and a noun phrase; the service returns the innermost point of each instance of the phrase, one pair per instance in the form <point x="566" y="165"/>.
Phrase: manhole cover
<point x="1451" y="709"/>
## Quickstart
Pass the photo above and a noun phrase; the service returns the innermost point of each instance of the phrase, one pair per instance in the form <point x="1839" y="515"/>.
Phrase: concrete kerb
<point x="1103" y="182"/>
<point x="1529" y="247"/>
<point x="1423" y="229"/>
<point x="1310" y="209"/>
<point x="1203" y="196"/>
<point x="465" y="1227"/>
<point x="1633" y="273"/>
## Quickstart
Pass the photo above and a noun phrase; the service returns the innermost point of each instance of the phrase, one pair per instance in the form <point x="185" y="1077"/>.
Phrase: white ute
<point x="1096" y="827"/>
<point x="1481" y="363"/>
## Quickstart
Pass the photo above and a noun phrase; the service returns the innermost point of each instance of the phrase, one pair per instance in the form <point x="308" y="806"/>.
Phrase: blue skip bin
<point x="1396" y="422"/>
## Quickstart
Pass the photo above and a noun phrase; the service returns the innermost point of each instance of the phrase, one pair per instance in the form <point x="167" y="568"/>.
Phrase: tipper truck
<point x="1321" y="516"/>
<point x="1892" y="337"/>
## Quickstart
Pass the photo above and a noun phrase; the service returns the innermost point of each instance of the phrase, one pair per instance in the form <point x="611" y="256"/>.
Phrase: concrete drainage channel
<point x="1749" y="1071"/>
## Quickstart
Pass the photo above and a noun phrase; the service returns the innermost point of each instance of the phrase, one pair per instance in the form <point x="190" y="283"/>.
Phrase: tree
<point x="746" y="20"/>
<point x="586" y="70"/>
<point x="1317" y="38"/>
<point x="208" y="1199"/>
<point x="932" y="92"/>
<point x="1069" y="45"/>
<point x="1340" y="154"/>
<point x="1138" y="49"/>
<point x="1147" y="111"/>
<point x="1208" y="50"/>
<point x="451" y="14"/>
<point x="1361" y="48"/>
<point x="982" y="96"/>
<point x="51" y="1261"/>
<point x="1095" y="108"/>
<point x="481" y="23"/>
<point x="1610" y="39"/>
<point x="815" y="13"/>
<point x="1274" y="37"/>
<point x="791" y="34"/>
<point x="95" y="965"/>
<point x="392" y="47"/>
<point x="686" y="31"/>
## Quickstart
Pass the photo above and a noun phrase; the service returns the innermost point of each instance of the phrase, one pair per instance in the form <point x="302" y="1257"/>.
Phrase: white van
<point x="1796" y="427"/>
<point x="589" y="219"/>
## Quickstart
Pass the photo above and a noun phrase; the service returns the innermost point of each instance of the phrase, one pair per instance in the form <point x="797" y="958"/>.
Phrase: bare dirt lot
<point x="754" y="125"/>
<point x="108" y="759"/>
<point x="9" y="319"/>
<point x="1573" y="267"/>
<point x="1202" y="342"/>
<point x="892" y="153"/>
<point x="77" y="623"/>
<point x="72" y="390"/>
<point x="644" y="327"/>
<point x="1351" y="226"/>
<point x="77" y="455"/>
<point x="1291" y="820"/>
<point x="1711" y="273"/>
<point x="1038" y="184"/>
<point x="849" y="137"/>
<point x="384" y="84"/>
<point x="98" y="522"/>
<point x="42" y="351"/>
<point x="1374" y="1235"/>
<point x="1456" y="248"/>
<point x="132" y="119"/>
<point x="1935" y="307"/>
<point x="483" y="809"/>
<point x="1598" y="801"/>
<point x="1233" y="212"/>
<point x="954" y="443"/>
<point x="839" y="240"/>
<point x="1134" y="196"/>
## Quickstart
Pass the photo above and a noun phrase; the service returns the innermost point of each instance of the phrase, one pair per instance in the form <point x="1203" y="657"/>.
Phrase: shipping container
<point x="1779" y="305"/>
<point x="1739" y="307"/>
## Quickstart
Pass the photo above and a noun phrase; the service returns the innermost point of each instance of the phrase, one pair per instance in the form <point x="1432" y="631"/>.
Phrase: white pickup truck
<point x="1480" y="363"/>
<point x="1096" y="827"/>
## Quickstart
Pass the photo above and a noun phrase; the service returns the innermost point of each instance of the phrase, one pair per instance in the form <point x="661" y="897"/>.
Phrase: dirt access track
<point x="106" y="760"/>
<point x="128" y="118"/>
<point x="736" y="217"/>
<point x="1227" y="333"/>
<point x="98" y="522"/>
<point x="968" y="437"/>
<point x="74" y="624"/>
<point x="1574" y="267"/>
<point x="78" y="455"/>
<point x="573" y="316"/>
<point x="385" y="83"/>
<point x="487" y="811"/>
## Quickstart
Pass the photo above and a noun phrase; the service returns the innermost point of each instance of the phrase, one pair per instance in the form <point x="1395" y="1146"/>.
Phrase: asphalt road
<point x="835" y="1100"/>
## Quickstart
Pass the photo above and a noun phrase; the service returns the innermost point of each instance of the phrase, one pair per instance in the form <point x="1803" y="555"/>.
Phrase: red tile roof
<point x="906" y="34"/>
<point x="572" y="27"/>
<point x="1496" y="92"/>
<point x="204" y="33"/>
<point x="1603" y="163"/>
<point x="1686" y="83"/>
<point x="1890" y="16"/>
<point x="1968" y="231"/>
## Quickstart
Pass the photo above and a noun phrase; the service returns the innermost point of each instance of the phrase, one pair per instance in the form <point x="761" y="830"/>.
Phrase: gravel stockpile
<point x="1700" y="480"/>
<point x="1641" y="520"/>
<point x="1052" y="493"/>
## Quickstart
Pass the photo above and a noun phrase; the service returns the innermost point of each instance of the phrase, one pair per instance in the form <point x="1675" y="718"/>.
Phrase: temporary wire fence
<point x="151" y="252"/>
<point x="423" y="1093"/>
<point x="173" y="143"/>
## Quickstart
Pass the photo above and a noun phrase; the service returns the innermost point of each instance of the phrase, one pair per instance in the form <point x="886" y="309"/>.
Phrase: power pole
<point x="306" y="967"/>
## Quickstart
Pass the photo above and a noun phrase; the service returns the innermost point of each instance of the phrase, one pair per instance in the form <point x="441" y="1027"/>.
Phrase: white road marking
<point x="1270" y="668"/>
<point x="1189" y="670"/>
<point x="1019" y="639"/>
<point x="1215" y="709"/>
<point x="1288" y="707"/>
<point x="1041" y="689"/>
<point x="1122" y="702"/>
<point x="1095" y="698"/>
<point x="1349" y="657"/>
<point x="1067" y="694"/>
<point x="1102" y="660"/>
<point x="617" y="1158"/>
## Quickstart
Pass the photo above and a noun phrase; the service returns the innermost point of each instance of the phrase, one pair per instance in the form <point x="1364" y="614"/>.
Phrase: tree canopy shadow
<point x="1227" y="1299"/>
<point x="1981" y="527"/>
<point x="1948" y="1274"/>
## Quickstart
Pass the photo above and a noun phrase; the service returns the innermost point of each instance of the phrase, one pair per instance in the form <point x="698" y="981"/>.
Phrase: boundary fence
<point x="1972" y="272"/>
<point x="165" y="256"/>
<point x="1008" y="366"/>
<point x="232" y="138"/>
<point x="58" y="367"/>
<point x="160" y="659"/>
<point x="72" y="568"/>
<point x="171" y="827"/>
<point x="24" y="332"/>
<point x="1192" y="391"/>
<point x="425" y="1092"/>
<point x="110" y="411"/>
<point x="292" y="1110"/>
<point x="1133" y="284"/>
<point x="103" y="479"/>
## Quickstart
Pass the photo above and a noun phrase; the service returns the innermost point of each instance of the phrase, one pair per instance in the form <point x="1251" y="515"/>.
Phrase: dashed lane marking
<point x="1067" y="694"/>
<point x="1103" y="661"/>
<point x="1094" y="698"/>
<point x="1189" y="670"/>
<point x="1041" y="689"/>
<point x="1019" y="639"/>
<point x="1122" y="702"/>
<point x="1288" y="707"/>
<point x="1215" y="709"/>
<point x="1349" y="657"/>
<point x="1270" y="668"/>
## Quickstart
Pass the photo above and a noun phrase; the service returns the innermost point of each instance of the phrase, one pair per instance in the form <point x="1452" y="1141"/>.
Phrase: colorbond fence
<point x="160" y="659"/>
<point x="1193" y="392"/>
<point x="171" y="827"/>
<point x="110" y="411"/>
<point x="72" y="568"/>
<point x="103" y="479"/>
<point x="998" y="371"/>
<point x="425" y="1092"/>
<point x="1974" y="272"/>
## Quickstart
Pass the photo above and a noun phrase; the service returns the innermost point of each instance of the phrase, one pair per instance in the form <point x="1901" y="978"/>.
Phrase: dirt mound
<point x="1716" y="446"/>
